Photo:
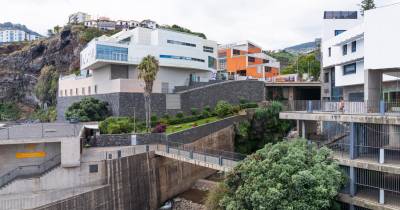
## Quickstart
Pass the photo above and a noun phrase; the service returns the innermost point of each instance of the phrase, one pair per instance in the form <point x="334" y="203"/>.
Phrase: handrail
<point x="30" y="170"/>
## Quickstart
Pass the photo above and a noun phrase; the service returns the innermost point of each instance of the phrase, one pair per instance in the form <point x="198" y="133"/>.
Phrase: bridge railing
<point x="212" y="156"/>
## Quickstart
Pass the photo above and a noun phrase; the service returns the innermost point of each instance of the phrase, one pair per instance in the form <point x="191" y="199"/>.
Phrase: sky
<point x="273" y="24"/>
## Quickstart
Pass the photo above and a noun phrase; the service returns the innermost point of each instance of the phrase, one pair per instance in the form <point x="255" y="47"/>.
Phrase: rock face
<point x="20" y="65"/>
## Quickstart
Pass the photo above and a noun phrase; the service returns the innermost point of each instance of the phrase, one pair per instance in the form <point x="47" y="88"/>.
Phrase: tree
<point x="288" y="175"/>
<point x="307" y="63"/>
<point x="46" y="86"/>
<point x="88" y="109"/>
<point x="148" y="69"/>
<point x="367" y="5"/>
<point x="264" y="127"/>
<point x="57" y="29"/>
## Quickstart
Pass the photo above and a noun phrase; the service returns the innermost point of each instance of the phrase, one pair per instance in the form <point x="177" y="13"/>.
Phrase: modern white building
<point x="149" y="24"/>
<point x="15" y="35"/>
<point x="352" y="45"/>
<point x="108" y="64"/>
<point x="78" y="17"/>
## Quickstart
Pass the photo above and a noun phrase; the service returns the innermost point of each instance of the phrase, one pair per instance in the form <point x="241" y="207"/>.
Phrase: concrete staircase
<point x="29" y="171"/>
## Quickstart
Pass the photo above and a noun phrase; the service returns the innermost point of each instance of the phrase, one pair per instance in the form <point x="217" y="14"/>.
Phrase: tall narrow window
<point x="329" y="52"/>
<point x="354" y="46"/>
<point x="344" y="49"/>
<point x="95" y="89"/>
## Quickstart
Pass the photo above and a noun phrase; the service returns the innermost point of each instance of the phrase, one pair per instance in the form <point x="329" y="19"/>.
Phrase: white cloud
<point x="273" y="24"/>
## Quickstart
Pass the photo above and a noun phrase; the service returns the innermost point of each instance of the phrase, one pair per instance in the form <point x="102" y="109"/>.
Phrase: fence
<point x="30" y="170"/>
<point x="344" y="107"/>
<point x="40" y="130"/>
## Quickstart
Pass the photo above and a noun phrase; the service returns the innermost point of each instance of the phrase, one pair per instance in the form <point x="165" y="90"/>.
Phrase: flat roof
<point x="293" y="84"/>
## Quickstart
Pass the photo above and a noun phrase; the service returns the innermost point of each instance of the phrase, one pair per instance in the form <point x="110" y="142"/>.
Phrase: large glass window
<point x="212" y="62"/>
<point x="182" y="58"/>
<point x="349" y="69"/>
<point x="181" y="43"/>
<point x="222" y="64"/>
<point x="106" y="52"/>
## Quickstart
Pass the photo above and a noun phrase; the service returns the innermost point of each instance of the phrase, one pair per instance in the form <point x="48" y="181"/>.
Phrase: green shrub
<point x="223" y="109"/>
<point x="236" y="109"/>
<point x="154" y="118"/>
<point x="166" y="116"/>
<point x="9" y="111"/>
<point x="174" y="121"/>
<point x="116" y="125"/>
<point x="249" y="105"/>
<point x="49" y="115"/>
<point x="243" y="101"/>
<point x="180" y="115"/>
<point x="88" y="109"/>
<point x="205" y="114"/>
<point x="207" y="108"/>
<point x="194" y="111"/>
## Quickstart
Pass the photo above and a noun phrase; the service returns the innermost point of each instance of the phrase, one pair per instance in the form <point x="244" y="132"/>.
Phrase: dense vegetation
<point x="88" y="109"/>
<point x="285" y="58"/>
<point x="288" y="175"/>
<point x="9" y="111"/>
<point x="306" y="63"/>
<point x="264" y="127"/>
<point x="367" y="5"/>
<point x="47" y="85"/>
<point x="45" y="115"/>
<point x="185" y="30"/>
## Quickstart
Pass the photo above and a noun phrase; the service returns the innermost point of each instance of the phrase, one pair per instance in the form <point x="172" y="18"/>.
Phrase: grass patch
<point x="185" y="126"/>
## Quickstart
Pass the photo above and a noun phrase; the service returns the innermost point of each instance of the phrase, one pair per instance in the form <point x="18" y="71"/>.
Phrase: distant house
<point x="16" y="35"/>
<point x="79" y="17"/>
<point x="102" y="23"/>
<point x="149" y="24"/>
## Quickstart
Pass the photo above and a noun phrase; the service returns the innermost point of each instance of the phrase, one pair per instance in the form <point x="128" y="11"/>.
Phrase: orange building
<point x="246" y="60"/>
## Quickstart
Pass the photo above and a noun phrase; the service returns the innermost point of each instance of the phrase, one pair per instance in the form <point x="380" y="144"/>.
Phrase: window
<point x="70" y="92"/>
<point x="208" y="49"/>
<point x="95" y="89"/>
<point x="182" y="58"/>
<point x="181" y="43"/>
<point x="340" y="15"/>
<point x="251" y="59"/>
<point x="83" y="91"/>
<point x="212" y="62"/>
<point x="329" y="52"/>
<point x="65" y="93"/>
<point x="89" y="90"/>
<point x="344" y="49"/>
<point x="267" y="69"/>
<point x="93" y="168"/>
<point x="349" y="69"/>
<point x="337" y="32"/>
<point x="265" y="61"/>
<point x="326" y="77"/>
<point x="76" y="91"/>
<point x="106" y="52"/>
<point x="354" y="46"/>
<point x="235" y="52"/>
<point x="222" y="64"/>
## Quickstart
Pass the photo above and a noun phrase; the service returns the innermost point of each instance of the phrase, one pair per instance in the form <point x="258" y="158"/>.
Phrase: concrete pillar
<point x="372" y="89"/>
<point x="353" y="182"/>
<point x="351" y="207"/>
<point x="394" y="137"/>
<point x="381" y="196"/>
<point x="381" y="156"/>
<point x="303" y="129"/>
<point x="70" y="152"/>
<point x="353" y="141"/>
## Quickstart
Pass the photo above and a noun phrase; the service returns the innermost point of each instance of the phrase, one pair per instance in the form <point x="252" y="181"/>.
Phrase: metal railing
<point x="343" y="107"/>
<point x="40" y="130"/>
<point x="30" y="170"/>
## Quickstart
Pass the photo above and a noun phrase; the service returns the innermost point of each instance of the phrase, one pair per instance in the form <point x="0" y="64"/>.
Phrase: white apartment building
<point x="78" y="17"/>
<point x="109" y="63"/>
<point x="353" y="45"/>
<point x="148" y="24"/>
<point x="15" y="35"/>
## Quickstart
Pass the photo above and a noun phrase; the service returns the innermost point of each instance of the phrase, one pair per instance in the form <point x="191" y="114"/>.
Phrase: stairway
<point x="29" y="171"/>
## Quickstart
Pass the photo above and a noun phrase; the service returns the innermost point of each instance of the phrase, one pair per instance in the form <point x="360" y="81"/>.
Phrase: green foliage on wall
<point x="88" y="109"/>
<point x="47" y="85"/>
<point x="9" y="111"/>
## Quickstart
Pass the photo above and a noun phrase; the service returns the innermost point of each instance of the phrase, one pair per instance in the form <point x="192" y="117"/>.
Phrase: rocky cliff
<point x="21" y="64"/>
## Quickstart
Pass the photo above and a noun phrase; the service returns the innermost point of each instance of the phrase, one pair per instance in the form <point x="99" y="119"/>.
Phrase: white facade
<point x="16" y="35"/>
<point x="112" y="62"/>
<point x="148" y="24"/>
<point x="366" y="43"/>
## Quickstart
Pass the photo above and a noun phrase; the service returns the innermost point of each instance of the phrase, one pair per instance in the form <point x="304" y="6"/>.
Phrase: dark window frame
<point x="344" y="49"/>
<point x="338" y="32"/>
<point x="354" y="46"/>
<point x="251" y="59"/>
<point x="347" y="71"/>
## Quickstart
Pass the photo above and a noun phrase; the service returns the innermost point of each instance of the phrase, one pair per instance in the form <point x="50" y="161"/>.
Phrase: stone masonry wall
<point x="125" y="104"/>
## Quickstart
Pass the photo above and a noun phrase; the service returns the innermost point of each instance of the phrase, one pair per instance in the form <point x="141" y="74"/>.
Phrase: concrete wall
<point x="9" y="160"/>
<point x="145" y="181"/>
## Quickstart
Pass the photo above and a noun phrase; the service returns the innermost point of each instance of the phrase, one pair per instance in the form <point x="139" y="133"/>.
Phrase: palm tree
<point x="148" y="69"/>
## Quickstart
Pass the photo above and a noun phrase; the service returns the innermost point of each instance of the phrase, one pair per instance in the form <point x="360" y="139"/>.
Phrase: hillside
<point x="302" y="48"/>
